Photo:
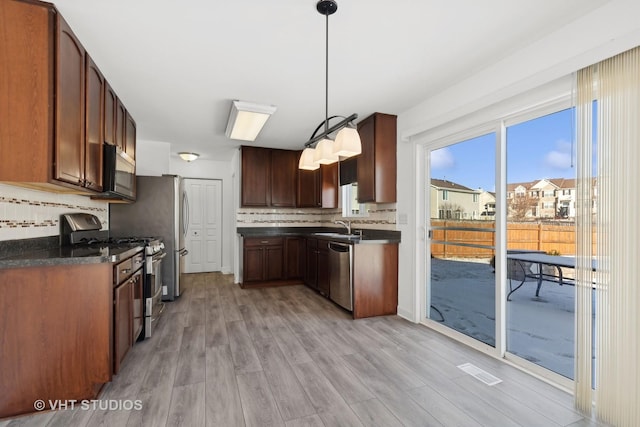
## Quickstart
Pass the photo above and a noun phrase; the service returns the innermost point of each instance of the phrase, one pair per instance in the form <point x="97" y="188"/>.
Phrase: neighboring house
<point x="487" y="204"/>
<point x="454" y="201"/>
<point x="545" y="198"/>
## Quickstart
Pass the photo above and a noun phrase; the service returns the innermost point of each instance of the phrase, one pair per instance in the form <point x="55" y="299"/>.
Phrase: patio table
<point x="526" y="260"/>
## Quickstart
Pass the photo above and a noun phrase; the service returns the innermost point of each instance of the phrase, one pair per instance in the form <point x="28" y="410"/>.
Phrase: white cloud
<point x="560" y="158"/>
<point x="442" y="159"/>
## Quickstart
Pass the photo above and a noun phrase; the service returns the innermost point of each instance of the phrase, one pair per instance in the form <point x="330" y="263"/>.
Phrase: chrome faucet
<point x="346" y="225"/>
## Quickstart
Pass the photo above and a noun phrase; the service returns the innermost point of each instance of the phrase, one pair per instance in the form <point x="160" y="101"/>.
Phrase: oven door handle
<point x="157" y="258"/>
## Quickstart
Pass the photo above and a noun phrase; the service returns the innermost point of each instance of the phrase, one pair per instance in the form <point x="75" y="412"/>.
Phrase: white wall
<point x="607" y="31"/>
<point x="152" y="157"/>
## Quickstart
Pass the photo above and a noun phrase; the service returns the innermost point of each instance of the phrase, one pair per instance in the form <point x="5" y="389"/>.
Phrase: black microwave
<point x="119" y="179"/>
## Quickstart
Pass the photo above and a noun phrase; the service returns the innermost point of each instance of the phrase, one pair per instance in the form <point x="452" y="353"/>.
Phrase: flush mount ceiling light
<point x="246" y="120"/>
<point x="188" y="157"/>
<point x="347" y="143"/>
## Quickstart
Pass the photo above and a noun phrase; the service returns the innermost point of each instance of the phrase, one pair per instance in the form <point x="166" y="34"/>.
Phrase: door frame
<point x="441" y="137"/>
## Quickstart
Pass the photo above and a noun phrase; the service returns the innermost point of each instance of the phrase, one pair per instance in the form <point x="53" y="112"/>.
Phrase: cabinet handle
<point x="125" y="271"/>
<point x="264" y="241"/>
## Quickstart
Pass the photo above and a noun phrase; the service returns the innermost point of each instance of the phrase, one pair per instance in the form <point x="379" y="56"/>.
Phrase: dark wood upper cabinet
<point x="269" y="177"/>
<point x="121" y="114"/>
<point x="94" y="122"/>
<point x="52" y="138"/>
<point x="69" y="147"/>
<point x="130" y="136"/>
<point x="329" y="185"/>
<point x="284" y="171"/>
<point x="377" y="162"/>
<point x="256" y="170"/>
<point x="309" y="187"/>
<point x="110" y="102"/>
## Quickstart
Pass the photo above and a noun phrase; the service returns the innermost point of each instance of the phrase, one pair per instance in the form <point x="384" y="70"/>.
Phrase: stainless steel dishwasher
<point x="340" y="284"/>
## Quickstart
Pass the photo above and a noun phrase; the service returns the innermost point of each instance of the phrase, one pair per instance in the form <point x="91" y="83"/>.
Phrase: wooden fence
<point x="467" y="239"/>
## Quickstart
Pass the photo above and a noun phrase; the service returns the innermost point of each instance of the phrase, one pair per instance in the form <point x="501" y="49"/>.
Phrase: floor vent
<point x="478" y="373"/>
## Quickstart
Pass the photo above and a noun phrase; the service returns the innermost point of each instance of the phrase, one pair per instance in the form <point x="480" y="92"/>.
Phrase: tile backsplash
<point x="381" y="216"/>
<point x="26" y="213"/>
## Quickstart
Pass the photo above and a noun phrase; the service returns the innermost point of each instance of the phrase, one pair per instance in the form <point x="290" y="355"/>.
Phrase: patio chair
<point x="519" y="271"/>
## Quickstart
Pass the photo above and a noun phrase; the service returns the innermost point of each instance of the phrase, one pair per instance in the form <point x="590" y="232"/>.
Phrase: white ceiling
<point x="178" y="64"/>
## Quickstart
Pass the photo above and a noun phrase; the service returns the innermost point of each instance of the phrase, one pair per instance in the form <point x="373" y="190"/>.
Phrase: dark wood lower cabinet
<point x="263" y="260"/>
<point x="294" y="257"/>
<point x="123" y="327"/>
<point x="317" y="269"/>
<point x="128" y="307"/>
<point x="323" y="267"/>
<point x="375" y="280"/>
<point x="56" y="334"/>
<point x="311" y="267"/>
<point x="374" y="272"/>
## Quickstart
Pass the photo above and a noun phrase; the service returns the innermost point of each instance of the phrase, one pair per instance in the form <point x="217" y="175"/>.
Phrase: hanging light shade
<point x="324" y="153"/>
<point x="306" y="160"/>
<point x="347" y="143"/>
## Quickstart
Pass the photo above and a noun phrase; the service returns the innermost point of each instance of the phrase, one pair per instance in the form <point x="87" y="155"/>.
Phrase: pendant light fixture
<point x="347" y="142"/>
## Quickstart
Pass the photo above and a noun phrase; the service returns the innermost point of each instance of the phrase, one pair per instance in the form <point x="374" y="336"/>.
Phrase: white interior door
<point x="204" y="236"/>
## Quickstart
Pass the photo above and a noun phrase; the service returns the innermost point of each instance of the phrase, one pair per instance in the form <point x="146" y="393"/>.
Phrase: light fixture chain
<point x="326" y="74"/>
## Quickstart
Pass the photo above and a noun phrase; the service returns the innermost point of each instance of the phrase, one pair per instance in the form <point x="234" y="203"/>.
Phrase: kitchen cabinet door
<point x="377" y="162"/>
<point x="330" y="185"/>
<point x="294" y="257"/>
<point x="323" y="267"/>
<point x="284" y="170"/>
<point x="94" y="122"/>
<point x="110" y="102"/>
<point x="256" y="170"/>
<point x="309" y="187"/>
<point x="274" y="262"/>
<point x="130" y="136"/>
<point x="311" y="267"/>
<point x="253" y="264"/>
<point x="120" y="117"/>
<point x="123" y="327"/>
<point x="137" y="308"/>
<point x="70" y="118"/>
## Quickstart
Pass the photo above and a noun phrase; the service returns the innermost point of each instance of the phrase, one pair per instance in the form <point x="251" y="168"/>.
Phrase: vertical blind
<point x="614" y="84"/>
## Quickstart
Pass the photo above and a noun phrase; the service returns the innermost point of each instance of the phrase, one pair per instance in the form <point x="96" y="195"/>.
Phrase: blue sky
<point x="536" y="149"/>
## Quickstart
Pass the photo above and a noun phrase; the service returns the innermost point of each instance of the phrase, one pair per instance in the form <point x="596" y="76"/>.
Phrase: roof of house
<point x="448" y="185"/>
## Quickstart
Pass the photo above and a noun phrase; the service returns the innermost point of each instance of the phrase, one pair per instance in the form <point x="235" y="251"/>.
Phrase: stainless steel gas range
<point x="83" y="232"/>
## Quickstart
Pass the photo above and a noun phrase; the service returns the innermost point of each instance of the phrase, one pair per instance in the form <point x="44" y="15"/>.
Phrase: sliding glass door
<point x="541" y="213"/>
<point x="519" y="305"/>
<point x="461" y="190"/>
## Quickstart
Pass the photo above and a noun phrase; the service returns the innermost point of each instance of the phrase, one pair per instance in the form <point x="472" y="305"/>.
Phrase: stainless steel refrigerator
<point x="160" y="210"/>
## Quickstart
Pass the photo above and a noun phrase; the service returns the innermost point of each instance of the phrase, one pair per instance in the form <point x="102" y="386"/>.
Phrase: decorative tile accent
<point x="26" y="213"/>
<point x="381" y="216"/>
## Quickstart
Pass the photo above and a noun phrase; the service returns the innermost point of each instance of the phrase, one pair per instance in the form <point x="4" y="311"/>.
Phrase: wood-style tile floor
<point x="224" y="356"/>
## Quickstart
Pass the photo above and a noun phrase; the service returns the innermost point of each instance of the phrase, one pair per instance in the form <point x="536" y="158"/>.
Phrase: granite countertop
<point x="369" y="236"/>
<point x="65" y="255"/>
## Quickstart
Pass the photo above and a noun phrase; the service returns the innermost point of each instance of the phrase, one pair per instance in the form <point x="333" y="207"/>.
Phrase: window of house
<point x="350" y="205"/>
<point x="445" y="195"/>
